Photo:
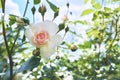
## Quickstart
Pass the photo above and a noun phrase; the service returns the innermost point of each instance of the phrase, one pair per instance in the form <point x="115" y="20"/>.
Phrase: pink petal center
<point x="41" y="38"/>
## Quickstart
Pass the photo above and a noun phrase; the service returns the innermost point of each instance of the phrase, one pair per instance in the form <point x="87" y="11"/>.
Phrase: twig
<point x="26" y="8"/>
<point x="15" y="40"/>
<point x="19" y="28"/>
<point x="6" y="44"/>
<point x="115" y="34"/>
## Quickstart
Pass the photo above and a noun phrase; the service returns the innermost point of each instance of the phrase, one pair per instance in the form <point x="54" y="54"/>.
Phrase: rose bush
<point x="44" y="35"/>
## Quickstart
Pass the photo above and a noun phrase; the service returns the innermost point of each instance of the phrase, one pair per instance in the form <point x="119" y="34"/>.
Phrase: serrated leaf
<point x="97" y="6"/>
<point x="87" y="11"/>
<point x="29" y="64"/>
<point x="52" y="6"/>
<point x="85" y="1"/>
<point x="37" y="1"/>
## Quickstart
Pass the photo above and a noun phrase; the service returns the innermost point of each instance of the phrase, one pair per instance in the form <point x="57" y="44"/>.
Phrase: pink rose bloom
<point x="43" y="35"/>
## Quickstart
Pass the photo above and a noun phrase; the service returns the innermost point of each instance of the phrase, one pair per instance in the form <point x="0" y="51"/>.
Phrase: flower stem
<point x="15" y="40"/>
<point x="5" y="40"/>
<point x="26" y="8"/>
<point x="43" y="18"/>
<point x="9" y="54"/>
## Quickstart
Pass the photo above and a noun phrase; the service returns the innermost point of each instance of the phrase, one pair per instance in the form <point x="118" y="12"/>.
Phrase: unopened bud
<point x="18" y="76"/>
<point x="42" y="9"/>
<point x="33" y="10"/>
<point x="73" y="48"/>
<point x="57" y="57"/>
<point x="36" y="52"/>
<point x="67" y="5"/>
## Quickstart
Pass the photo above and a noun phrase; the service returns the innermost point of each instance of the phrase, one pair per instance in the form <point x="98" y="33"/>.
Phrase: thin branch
<point x="19" y="28"/>
<point x="115" y="34"/>
<point x="33" y="18"/>
<point x="6" y="44"/>
<point x="43" y="18"/>
<point x="15" y="40"/>
<point x="26" y="8"/>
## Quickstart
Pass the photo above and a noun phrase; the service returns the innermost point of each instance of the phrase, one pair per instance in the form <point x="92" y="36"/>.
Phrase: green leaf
<point x="93" y="32"/>
<point x="52" y="6"/>
<point x="117" y="9"/>
<point x="93" y="1"/>
<point x="67" y="29"/>
<point x="115" y="0"/>
<point x="12" y="19"/>
<point x="56" y="14"/>
<point x="97" y="6"/>
<point x="87" y="44"/>
<point x="107" y="9"/>
<point x="0" y="5"/>
<point x="94" y="17"/>
<point x="29" y="64"/>
<point x="85" y="1"/>
<point x="79" y="21"/>
<point x="87" y="11"/>
<point x="37" y="1"/>
<point x="61" y="26"/>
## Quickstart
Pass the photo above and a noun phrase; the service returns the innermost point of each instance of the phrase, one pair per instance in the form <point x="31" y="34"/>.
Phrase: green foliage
<point x="100" y="53"/>
<point x="37" y="1"/>
<point x="52" y="6"/>
<point x="0" y="5"/>
<point x="12" y="19"/>
<point x="115" y="0"/>
<point x="67" y="29"/>
<point x="86" y="45"/>
<point x="93" y="1"/>
<point x="29" y="64"/>
<point x="87" y="11"/>
<point x="85" y="1"/>
<point x="61" y="26"/>
<point x="97" y="6"/>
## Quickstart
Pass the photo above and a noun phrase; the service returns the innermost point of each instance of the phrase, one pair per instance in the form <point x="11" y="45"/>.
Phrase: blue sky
<point x="17" y="7"/>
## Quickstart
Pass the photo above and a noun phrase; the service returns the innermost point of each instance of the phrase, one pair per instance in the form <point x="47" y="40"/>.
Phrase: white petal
<point x="36" y="27"/>
<point x="51" y="27"/>
<point x="46" y="51"/>
<point x="48" y="26"/>
<point x="29" y="34"/>
<point x="55" y="41"/>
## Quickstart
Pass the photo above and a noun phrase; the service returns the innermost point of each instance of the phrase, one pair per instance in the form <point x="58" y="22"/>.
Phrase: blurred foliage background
<point x="96" y="58"/>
